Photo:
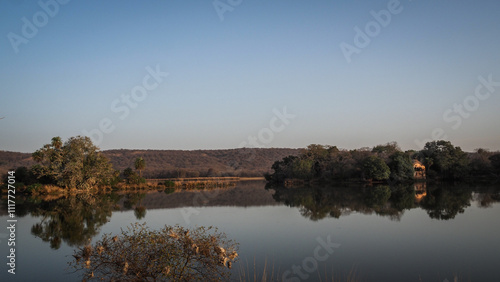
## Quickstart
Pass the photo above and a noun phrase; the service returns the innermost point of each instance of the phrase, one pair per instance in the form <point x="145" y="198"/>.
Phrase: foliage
<point x="387" y="150"/>
<point x="169" y="254"/>
<point x="480" y="163"/>
<point x="282" y="169"/>
<point x="375" y="168"/>
<point x="243" y="162"/>
<point x="401" y="167"/>
<point x="495" y="162"/>
<point x="441" y="159"/>
<point x="131" y="177"/>
<point x="75" y="164"/>
<point x="24" y="175"/>
<point x="447" y="161"/>
<point x="303" y="168"/>
<point x="139" y="164"/>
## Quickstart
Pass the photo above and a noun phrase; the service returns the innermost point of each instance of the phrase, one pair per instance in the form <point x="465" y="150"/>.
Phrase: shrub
<point x="171" y="254"/>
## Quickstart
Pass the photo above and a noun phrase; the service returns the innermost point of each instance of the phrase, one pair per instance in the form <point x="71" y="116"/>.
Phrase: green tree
<point x="131" y="176"/>
<point x="282" y="169"/>
<point x="140" y="164"/>
<point x="401" y="167"/>
<point x="320" y="156"/>
<point x="448" y="161"/>
<point x="495" y="162"/>
<point x="375" y="168"/>
<point x="385" y="151"/>
<point x="303" y="169"/>
<point x="50" y="162"/>
<point x="342" y="165"/>
<point x="75" y="164"/>
<point x="479" y="163"/>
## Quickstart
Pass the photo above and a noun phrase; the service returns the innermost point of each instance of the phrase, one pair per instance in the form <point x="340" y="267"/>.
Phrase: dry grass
<point x="49" y="189"/>
<point x="269" y="273"/>
<point x="204" y="184"/>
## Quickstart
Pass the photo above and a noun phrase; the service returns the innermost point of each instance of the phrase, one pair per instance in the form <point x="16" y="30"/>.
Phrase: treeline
<point x="383" y="163"/>
<point x="243" y="162"/>
<point x="78" y="164"/>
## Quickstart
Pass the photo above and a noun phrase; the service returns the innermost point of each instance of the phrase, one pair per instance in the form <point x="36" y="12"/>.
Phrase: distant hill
<point x="179" y="163"/>
<point x="10" y="160"/>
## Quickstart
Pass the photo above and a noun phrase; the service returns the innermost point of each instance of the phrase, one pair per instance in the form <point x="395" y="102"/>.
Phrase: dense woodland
<point x="386" y="163"/>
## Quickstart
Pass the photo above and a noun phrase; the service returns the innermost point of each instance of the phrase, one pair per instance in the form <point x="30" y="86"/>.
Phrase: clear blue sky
<point x="230" y="71"/>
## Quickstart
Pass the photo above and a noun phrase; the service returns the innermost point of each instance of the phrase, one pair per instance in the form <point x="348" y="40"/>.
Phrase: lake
<point x="341" y="233"/>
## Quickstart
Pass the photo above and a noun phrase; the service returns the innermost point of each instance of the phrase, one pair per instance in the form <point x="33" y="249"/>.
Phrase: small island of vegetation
<point x="77" y="165"/>
<point x="437" y="161"/>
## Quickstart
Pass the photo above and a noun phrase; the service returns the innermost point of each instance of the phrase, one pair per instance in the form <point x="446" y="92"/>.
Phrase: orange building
<point x="419" y="169"/>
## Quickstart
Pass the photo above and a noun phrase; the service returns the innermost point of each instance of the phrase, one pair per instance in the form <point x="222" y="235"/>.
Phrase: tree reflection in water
<point x="440" y="201"/>
<point x="76" y="219"/>
<point x="73" y="219"/>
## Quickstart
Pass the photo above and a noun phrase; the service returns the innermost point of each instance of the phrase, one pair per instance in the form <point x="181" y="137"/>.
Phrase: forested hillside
<point x="10" y="160"/>
<point x="178" y="163"/>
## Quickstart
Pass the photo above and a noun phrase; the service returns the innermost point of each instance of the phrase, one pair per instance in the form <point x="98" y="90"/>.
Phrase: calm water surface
<point x="437" y="233"/>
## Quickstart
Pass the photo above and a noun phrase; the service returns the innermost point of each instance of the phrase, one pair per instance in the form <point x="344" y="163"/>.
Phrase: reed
<point x="270" y="273"/>
<point x="267" y="273"/>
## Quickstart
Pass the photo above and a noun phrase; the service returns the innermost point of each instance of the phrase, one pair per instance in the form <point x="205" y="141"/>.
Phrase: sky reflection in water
<point x="383" y="234"/>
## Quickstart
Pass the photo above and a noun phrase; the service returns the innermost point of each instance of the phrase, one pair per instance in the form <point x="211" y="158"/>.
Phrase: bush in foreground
<point x="170" y="254"/>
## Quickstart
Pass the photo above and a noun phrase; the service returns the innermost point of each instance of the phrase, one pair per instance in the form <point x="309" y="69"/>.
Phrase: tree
<point x="50" y="161"/>
<point x="385" y="151"/>
<point x="479" y="163"/>
<point x="131" y="176"/>
<point x="448" y="161"/>
<point x="140" y="164"/>
<point x="401" y="167"/>
<point x="169" y="254"/>
<point x="342" y="165"/>
<point x="495" y="162"/>
<point x="320" y="156"/>
<point x="282" y="169"/>
<point x="303" y="169"/>
<point x="375" y="168"/>
<point x="75" y="164"/>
